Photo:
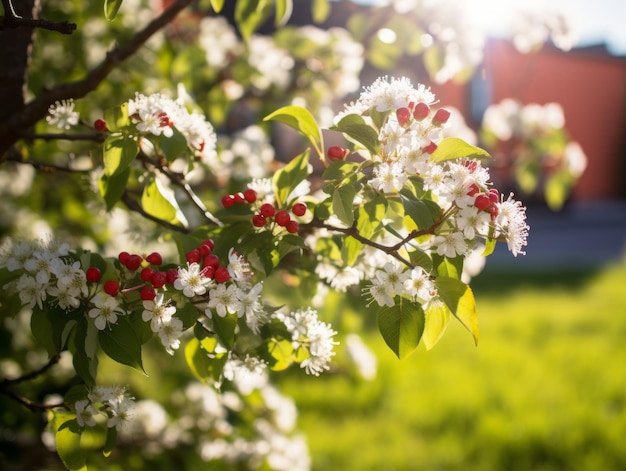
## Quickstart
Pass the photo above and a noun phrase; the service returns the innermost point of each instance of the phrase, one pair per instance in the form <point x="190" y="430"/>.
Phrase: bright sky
<point x="595" y="21"/>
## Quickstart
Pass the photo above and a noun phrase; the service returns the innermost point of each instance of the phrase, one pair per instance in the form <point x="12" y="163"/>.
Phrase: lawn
<point x="544" y="390"/>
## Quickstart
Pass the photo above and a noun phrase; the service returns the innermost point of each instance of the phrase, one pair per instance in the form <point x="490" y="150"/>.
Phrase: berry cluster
<point x="486" y="201"/>
<point x="247" y="196"/>
<point x="211" y="268"/>
<point x="267" y="211"/>
<point x="152" y="278"/>
<point x="419" y="112"/>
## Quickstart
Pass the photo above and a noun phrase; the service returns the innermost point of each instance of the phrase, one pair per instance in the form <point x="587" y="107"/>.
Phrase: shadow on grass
<point x="503" y="282"/>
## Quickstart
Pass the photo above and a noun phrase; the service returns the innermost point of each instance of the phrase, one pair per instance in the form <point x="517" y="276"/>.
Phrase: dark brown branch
<point x="33" y="406"/>
<point x="33" y="374"/>
<point x="86" y="136"/>
<point x="13" y="20"/>
<point x="133" y="205"/>
<point x="14" y="155"/>
<point x="37" y="109"/>
<point x="178" y="179"/>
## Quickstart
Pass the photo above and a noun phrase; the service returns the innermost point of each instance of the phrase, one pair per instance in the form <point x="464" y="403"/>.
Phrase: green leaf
<point x="320" y="9"/>
<point x="111" y="7"/>
<point x="112" y="187"/>
<point x="448" y="267"/>
<point x="284" y="9"/>
<point x="355" y="127"/>
<point x="290" y="176"/>
<point x="343" y="201"/>
<point x="67" y="440"/>
<point x="173" y="146"/>
<point x="198" y="360"/>
<point x="301" y="120"/>
<point x="281" y="353"/>
<point x="422" y="259"/>
<point x="490" y="246"/>
<point x="250" y="14"/>
<point x="460" y="300"/>
<point x="225" y="329"/>
<point x="437" y="319"/>
<point x="119" y="153"/>
<point x="455" y="148"/>
<point x="557" y="189"/>
<point x="120" y="342"/>
<point x="401" y="326"/>
<point x="217" y="5"/>
<point x="117" y="117"/>
<point x="340" y="170"/>
<point x="41" y="327"/>
<point x="424" y="213"/>
<point x="159" y="201"/>
<point x="111" y="439"/>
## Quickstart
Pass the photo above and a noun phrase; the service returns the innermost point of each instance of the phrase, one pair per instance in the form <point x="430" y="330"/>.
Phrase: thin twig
<point x="14" y="155"/>
<point x="33" y="406"/>
<point x="37" y="109"/>
<point x="87" y="136"/>
<point x="133" y="205"/>
<point x="33" y="374"/>
<point x="13" y="20"/>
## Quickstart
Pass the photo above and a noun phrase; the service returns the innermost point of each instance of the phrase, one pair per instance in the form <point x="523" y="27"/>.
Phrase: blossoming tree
<point x="146" y="223"/>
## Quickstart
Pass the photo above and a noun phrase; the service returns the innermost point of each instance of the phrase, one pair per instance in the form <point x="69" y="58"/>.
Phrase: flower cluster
<point x="62" y="115"/>
<point x="114" y="403"/>
<point x="158" y="115"/>
<point x="47" y="273"/>
<point x="311" y="335"/>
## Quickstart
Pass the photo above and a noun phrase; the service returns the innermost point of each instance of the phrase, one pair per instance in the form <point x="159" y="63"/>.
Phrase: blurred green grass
<point x="544" y="390"/>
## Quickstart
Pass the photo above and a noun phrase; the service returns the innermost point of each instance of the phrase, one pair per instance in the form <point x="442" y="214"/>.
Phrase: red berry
<point x="441" y="116"/>
<point x="158" y="279"/>
<point x="250" y="195"/>
<point x="282" y="218"/>
<point x="267" y="210"/>
<point x="211" y="261"/>
<point x="111" y="287"/>
<point x="208" y="272"/>
<point x="146" y="274"/>
<point x="93" y="275"/>
<point x="337" y="153"/>
<point x="421" y="110"/>
<point x="147" y="293"/>
<point x="204" y="250"/>
<point x="482" y="201"/>
<point x="258" y="220"/>
<point x="100" y="125"/>
<point x="239" y="197"/>
<point x="228" y="201"/>
<point x="209" y="243"/>
<point x="193" y="256"/>
<point x="494" y="196"/>
<point x="292" y="227"/>
<point x="154" y="258"/>
<point x="133" y="262"/>
<point x="221" y="275"/>
<point x="299" y="209"/>
<point x="123" y="257"/>
<point x="473" y="190"/>
<point x="430" y="148"/>
<point x="171" y="275"/>
<point x="404" y="116"/>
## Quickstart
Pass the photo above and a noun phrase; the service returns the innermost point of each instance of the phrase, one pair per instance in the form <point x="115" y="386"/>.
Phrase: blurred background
<point x="546" y="387"/>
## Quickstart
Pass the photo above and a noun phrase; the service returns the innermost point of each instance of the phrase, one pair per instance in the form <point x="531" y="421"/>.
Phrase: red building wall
<point x="591" y="88"/>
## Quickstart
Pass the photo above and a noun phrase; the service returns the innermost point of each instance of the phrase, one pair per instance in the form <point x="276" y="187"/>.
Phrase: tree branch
<point x="12" y="129"/>
<point x="179" y="180"/>
<point x="13" y="20"/>
<point x="33" y="406"/>
<point x="14" y="155"/>
<point x="133" y="205"/>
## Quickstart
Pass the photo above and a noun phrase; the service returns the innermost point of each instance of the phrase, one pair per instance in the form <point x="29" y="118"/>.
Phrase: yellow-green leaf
<point x="119" y="153"/>
<point x="160" y="202"/>
<point x="455" y="148"/>
<point x="437" y="319"/>
<point x="301" y="120"/>
<point x="460" y="300"/>
<point x="290" y="176"/>
<point x="67" y="439"/>
<point x="320" y="9"/>
<point x="284" y="8"/>
<point x="111" y="7"/>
